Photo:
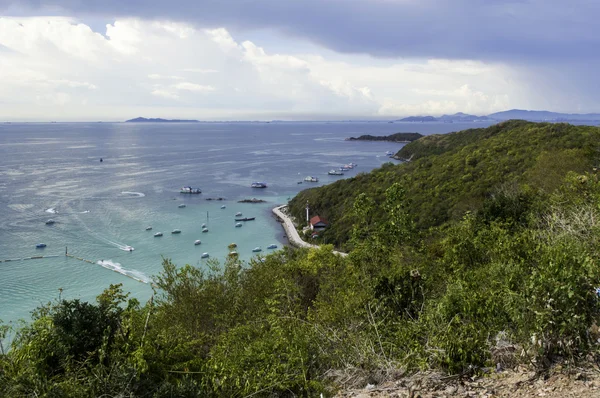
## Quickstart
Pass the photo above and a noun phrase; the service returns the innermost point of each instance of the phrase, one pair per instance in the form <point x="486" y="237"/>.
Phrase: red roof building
<point x="318" y="223"/>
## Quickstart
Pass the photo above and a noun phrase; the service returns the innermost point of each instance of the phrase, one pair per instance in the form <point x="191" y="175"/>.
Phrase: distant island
<point x="159" y="120"/>
<point x="534" y="116"/>
<point x="398" y="137"/>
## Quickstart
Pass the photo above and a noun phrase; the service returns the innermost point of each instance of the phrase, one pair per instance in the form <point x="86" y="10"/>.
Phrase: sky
<point x="111" y="60"/>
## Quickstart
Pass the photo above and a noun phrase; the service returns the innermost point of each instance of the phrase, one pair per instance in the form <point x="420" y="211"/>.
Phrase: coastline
<point x="290" y="231"/>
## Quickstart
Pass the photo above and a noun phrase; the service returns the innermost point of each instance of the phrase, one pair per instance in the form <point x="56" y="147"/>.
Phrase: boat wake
<point x="133" y="194"/>
<point x="133" y="274"/>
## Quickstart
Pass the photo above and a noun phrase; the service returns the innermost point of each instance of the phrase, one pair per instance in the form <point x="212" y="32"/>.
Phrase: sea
<point x="52" y="171"/>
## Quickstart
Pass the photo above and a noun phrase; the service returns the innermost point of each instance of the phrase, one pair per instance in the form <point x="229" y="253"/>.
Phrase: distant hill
<point x="398" y="137"/>
<point x="158" y="120"/>
<point x="418" y="119"/>
<point x="457" y="117"/>
<point x="543" y="116"/>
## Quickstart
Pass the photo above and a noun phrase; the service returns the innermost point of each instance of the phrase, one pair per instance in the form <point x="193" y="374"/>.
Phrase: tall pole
<point x="307" y="219"/>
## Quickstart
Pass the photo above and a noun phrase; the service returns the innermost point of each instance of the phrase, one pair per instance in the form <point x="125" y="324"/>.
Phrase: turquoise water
<point x="52" y="171"/>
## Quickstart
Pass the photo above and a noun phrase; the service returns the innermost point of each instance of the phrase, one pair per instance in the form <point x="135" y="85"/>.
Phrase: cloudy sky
<point x="295" y="59"/>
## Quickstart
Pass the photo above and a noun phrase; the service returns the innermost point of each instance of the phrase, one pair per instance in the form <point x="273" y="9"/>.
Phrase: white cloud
<point x="148" y="64"/>
<point x="193" y="87"/>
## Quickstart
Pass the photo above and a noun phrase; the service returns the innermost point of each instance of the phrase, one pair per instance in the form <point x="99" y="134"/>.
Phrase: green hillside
<point x="453" y="173"/>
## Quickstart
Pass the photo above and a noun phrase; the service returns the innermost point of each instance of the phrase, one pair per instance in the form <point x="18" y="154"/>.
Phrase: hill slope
<point x="453" y="173"/>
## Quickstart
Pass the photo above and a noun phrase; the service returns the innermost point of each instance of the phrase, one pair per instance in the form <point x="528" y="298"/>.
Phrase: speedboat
<point x="176" y="231"/>
<point x="50" y="222"/>
<point x="40" y="245"/>
<point x="335" y="173"/>
<point x="190" y="190"/>
<point x="239" y="224"/>
<point x="181" y="206"/>
<point x="273" y="246"/>
<point x="238" y="214"/>
<point x="204" y="255"/>
<point x="256" y="249"/>
<point x="311" y="179"/>
<point x="128" y="248"/>
<point x="205" y="229"/>
<point x="197" y="242"/>
<point x="223" y="207"/>
<point x="148" y="228"/>
<point x="156" y="235"/>
<point x="258" y="185"/>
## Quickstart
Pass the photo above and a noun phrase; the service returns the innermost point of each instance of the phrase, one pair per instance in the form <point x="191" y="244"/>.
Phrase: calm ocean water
<point x="52" y="171"/>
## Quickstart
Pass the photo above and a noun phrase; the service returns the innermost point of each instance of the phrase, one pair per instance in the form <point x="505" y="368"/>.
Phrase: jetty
<point x="292" y="233"/>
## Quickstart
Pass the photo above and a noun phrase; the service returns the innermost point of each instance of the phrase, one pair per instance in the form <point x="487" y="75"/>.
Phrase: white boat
<point x="344" y="168"/>
<point x="148" y="228"/>
<point x="204" y="229"/>
<point x="334" y="172"/>
<point x="223" y="207"/>
<point x="239" y="224"/>
<point x="272" y="246"/>
<point x="181" y="206"/>
<point x="203" y="225"/>
<point x="353" y="164"/>
<point x="176" y="231"/>
<point x="258" y="185"/>
<point x="157" y="234"/>
<point x="204" y="255"/>
<point x="389" y="153"/>
<point x="50" y="222"/>
<point x="197" y="242"/>
<point x="128" y="249"/>
<point x="238" y="214"/>
<point x="348" y="166"/>
<point x="256" y="249"/>
<point x="190" y="190"/>
<point x="311" y="179"/>
<point x="233" y="253"/>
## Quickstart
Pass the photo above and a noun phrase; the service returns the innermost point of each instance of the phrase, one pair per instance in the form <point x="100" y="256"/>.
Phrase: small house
<point x="318" y="223"/>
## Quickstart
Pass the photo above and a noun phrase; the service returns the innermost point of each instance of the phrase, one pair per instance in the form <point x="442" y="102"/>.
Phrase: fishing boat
<point x="156" y="235"/>
<point x="258" y="185"/>
<point x="204" y="255"/>
<point x="181" y="206"/>
<point x="272" y="246"/>
<point x="256" y="249"/>
<point x="335" y="173"/>
<point x="40" y="245"/>
<point x="239" y="224"/>
<point x="311" y="179"/>
<point x="197" y="242"/>
<point x="205" y="229"/>
<point x="238" y="214"/>
<point x="245" y="219"/>
<point x="50" y="222"/>
<point x="190" y="190"/>
<point x="176" y="231"/>
<point x="148" y="228"/>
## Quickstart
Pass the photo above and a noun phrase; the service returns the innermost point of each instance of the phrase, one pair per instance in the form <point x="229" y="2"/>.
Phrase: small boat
<point x="40" y="245"/>
<point x="344" y="168"/>
<point x="256" y="249"/>
<point x="181" y="206"/>
<point x="232" y="245"/>
<point x="190" y="190"/>
<point x="238" y="214"/>
<point x="203" y="225"/>
<point x="389" y="153"/>
<point x="156" y="235"/>
<point x="311" y="179"/>
<point x="273" y="246"/>
<point x="223" y="207"/>
<point x="204" y="255"/>
<point x="197" y="242"/>
<point x="258" y="185"/>
<point x="176" y="231"/>
<point x="237" y="225"/>
<point x="299" y="182"/>
<point x="335" y="173"/>
<point x="233" y="253"/>
<point x="148" y="228"/>
<point x="128" y="249"/>
<point x="353" y="164"/>
<point x="204" y="229"/>
<point x="245" y="219"/>
<point x="50" y="222"/>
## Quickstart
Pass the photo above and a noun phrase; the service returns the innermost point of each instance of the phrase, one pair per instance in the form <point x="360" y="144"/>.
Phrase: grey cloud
<point x="512" y="31"/>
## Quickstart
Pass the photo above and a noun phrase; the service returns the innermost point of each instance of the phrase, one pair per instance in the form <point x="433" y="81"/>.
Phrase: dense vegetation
<point x="509" y="279"/>
<point x="397" y="137"/>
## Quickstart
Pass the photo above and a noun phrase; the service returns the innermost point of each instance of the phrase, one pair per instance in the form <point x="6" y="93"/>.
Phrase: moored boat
<point x="156" y="235"/>
<point x="245" y="219"/>
<point x="50" y="222"/>
<point x="205" y="229"/>
<point x="239" y="224"/>
<point x="190" y="190"/>
<point x="238" y="214"/>
<point x="335" y="173"/>
<point x="232" y="245"/>
<point x="311" y="179"/>
<point x="176" y="231"/>
<point x="197" y="242"/>
<point x="222" y="207"/>
<point x="272" y="246"/>
<point x="204" y="255"/>
<point x="40" y="245"/>
<point x="256" y="249"/>
<point x="181" y="206"/>
<point x="148" y="228"/>
<point x="258" y="185"/>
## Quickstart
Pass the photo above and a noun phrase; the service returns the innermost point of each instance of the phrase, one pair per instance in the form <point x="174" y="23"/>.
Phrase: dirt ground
<point x="519" y="383"/>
